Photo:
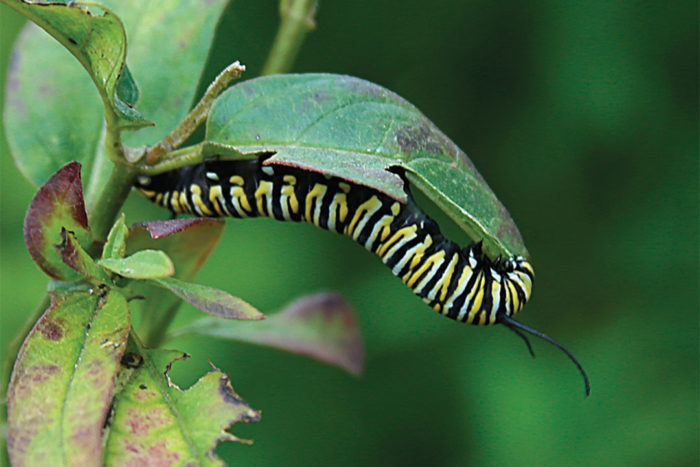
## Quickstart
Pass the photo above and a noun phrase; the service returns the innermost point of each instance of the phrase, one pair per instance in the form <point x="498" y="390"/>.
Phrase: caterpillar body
<point x="461" y="283"/>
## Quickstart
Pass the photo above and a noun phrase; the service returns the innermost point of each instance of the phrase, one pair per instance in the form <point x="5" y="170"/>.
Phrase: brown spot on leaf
<point x="131" y="360"/>
<point x="140" y="421"/>
<point x="50" y="329"/>
<point x="418" y="139"/>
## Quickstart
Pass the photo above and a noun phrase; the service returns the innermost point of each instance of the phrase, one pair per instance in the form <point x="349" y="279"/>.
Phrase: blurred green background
<point x="583" y="117"/>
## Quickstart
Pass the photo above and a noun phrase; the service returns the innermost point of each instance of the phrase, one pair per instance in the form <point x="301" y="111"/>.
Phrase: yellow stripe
<point x="396" y="241"/>
<point x="415" y="252"/>
<point x="461" y="285"/>
<point x="437" y="264"/>
<point x="196" y="191"/>
<point x="175" y="202"/>
<point x="495" y="296"/>
<point x="289" y="197"/>
<point x="476" y="290"/>
<point x="147" y="193"/>
<point x="362" y="214"/>
<point x="397" y="235"/>
<point x="216" y="197"/>
<point x="264" y="189"/>
<point x="515" y="301"/>
<point x="318" y="191"/>
<point x="446" y="278"/>
<point x="184" y="203"/>
<point x="427" y="264"/>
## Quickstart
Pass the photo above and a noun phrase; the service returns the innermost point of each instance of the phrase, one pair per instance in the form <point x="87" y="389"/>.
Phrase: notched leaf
<point x="63" y="380"/>
<point x="321" y="326"/>
<point x="353" y="129"/>
<point x="57" y="205"/>
<point x="115" y="246"/>
<point x="210" y="300"/>
<point x="157" y="423"/>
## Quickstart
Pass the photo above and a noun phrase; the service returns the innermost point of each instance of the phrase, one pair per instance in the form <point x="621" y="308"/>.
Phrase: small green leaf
<point x="74" y="256"/>
<point x="210" y="300"/>
<point x="115" y="246"/>
<point x="321" y="326"/>
<point x="353" y="129"/>
<point x="157" y="423"/>
<point x="127" y="89"/>
<point x="63" y="380"/>
<point x="57" y="205"/>
<point x="145" y="264"/>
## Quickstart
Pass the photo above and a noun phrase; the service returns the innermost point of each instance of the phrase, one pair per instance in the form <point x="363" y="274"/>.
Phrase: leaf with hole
<point x="157" y="423"/>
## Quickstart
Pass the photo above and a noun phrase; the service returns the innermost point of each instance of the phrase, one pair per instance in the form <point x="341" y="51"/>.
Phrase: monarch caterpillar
<point x="460" y="283"/>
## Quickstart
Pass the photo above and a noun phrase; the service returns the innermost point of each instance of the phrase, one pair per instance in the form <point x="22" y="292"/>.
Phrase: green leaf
<point x="57" y="205"/>
<point x="63" y="381"/>
<point x="168" y="47"/>
<point x="210" y="300"/>
<point x="127" y="90"/>
<point x="321" y="326"/>
<point x="350" y="128"/>
<point x="157" y="423"/>
<point x="96" y="37"/>
<point x="115" y="246"/>
<point x="74" y="256"/>
<point x="145" y="264"/>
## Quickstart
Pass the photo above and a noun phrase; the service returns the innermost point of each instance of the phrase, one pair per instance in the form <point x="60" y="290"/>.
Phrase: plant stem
<point x="197" y="115"/>
<point x="297" y="19"/>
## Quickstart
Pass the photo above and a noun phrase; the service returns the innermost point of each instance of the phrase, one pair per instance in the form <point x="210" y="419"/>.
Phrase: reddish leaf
<point x="58" y="204"/>
<point x="321" y="326"/>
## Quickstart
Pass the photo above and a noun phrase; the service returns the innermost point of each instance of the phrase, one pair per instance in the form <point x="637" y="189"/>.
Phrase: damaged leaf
<point x="57" y="205"/>
<point x="353" y="129"/>
<point x="154" y="422"/>
<point x="321" y="326"/>
<point x="63" y="381"/>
